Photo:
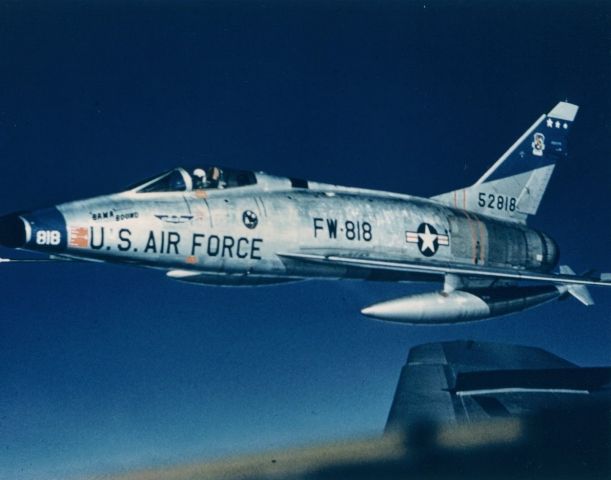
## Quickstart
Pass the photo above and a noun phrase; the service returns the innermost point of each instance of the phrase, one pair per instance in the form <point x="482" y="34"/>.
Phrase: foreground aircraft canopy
<point x="221" y="226"/>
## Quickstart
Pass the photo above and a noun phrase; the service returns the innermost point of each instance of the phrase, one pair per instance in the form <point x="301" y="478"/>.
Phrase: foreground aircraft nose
<point x="43" y="230"/>
<point x="13" y="231"/>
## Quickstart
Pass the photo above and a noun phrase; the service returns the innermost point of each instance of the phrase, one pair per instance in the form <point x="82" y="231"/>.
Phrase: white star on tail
<point x="427" y="240"/>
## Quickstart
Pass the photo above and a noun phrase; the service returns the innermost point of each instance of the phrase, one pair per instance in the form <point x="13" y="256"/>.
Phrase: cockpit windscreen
<point x="197" y="178"/>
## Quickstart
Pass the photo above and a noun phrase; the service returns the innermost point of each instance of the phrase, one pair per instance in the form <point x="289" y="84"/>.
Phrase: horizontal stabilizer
<point x="580" y="292"/>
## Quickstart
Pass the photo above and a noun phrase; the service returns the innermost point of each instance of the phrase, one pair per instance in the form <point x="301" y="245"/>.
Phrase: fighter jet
<point x="221" y="226"/>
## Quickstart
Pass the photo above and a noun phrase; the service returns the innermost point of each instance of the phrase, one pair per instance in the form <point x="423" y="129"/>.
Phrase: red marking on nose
<point x="79" y="237"/>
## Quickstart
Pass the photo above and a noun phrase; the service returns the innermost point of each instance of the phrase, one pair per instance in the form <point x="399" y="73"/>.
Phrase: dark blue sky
<point x="105" y="367"/>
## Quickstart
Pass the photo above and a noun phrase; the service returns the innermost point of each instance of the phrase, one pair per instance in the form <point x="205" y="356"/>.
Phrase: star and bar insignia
<point x="428" y="239"/>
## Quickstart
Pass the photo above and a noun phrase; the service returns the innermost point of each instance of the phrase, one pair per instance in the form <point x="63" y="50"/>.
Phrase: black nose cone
<point x="12" y="231"/>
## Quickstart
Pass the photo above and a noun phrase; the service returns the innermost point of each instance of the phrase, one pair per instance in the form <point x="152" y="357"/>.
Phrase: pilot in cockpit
<point x="199" y="179"/>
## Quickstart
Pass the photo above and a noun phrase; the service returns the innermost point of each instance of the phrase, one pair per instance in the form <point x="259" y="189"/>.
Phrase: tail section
<point x="513" y="187"/>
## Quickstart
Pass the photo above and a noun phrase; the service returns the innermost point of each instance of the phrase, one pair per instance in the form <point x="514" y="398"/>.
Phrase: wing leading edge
<point x="448" y="269"/>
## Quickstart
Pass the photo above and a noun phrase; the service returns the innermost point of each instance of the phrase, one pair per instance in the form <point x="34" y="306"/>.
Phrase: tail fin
<point x="513" y="187"/>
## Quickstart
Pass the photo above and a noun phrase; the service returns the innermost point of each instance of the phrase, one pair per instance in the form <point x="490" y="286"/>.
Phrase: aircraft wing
<point x="448" y="268"/>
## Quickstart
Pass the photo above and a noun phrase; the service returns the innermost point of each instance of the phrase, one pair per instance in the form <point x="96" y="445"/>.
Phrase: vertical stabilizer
<point x="514" y="185"/>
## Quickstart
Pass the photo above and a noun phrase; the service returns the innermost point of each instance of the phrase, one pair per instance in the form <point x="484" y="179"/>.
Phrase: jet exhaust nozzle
<point x="436" y="308"/>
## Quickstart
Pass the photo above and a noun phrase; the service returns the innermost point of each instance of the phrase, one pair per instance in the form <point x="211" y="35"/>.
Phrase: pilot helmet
<point x="199" y="172"/>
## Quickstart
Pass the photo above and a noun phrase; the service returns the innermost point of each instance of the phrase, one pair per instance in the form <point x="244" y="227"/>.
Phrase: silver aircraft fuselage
<point x="224" y="226"/>
<point x="237" y="235"/>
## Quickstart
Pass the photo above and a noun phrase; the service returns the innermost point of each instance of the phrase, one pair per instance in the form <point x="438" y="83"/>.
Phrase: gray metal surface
<point x="468" y="381"/>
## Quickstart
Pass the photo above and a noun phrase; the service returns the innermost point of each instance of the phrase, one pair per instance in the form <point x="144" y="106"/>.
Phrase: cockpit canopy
<point x="196" y="178"/>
